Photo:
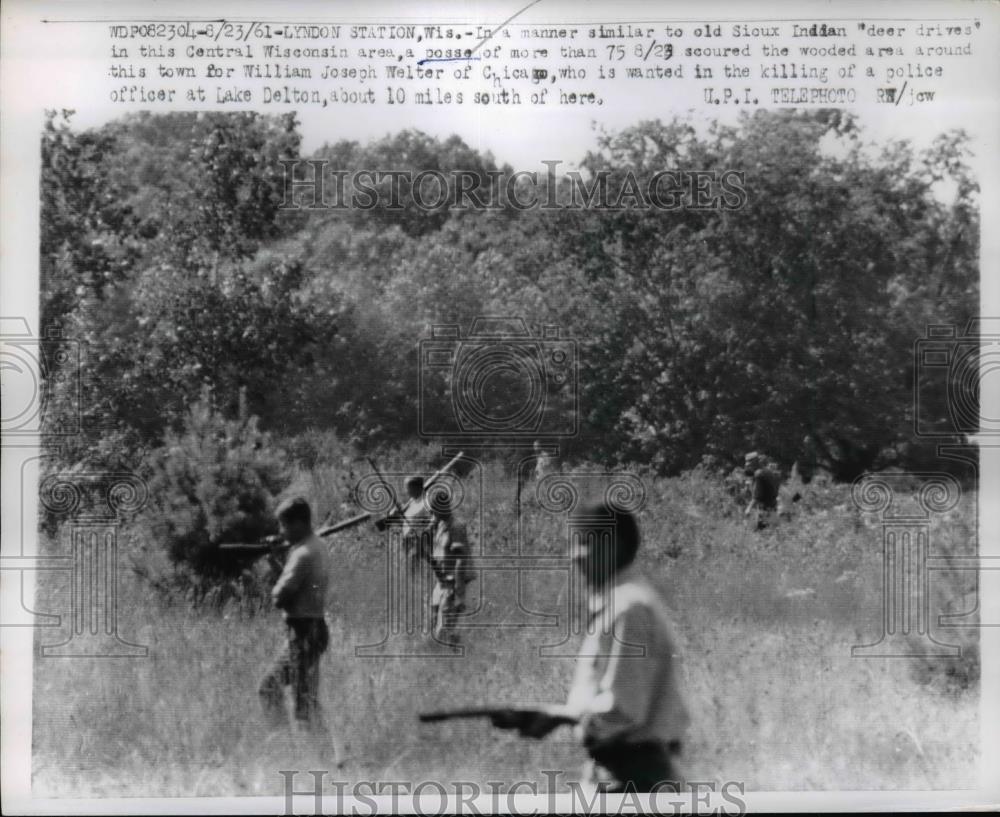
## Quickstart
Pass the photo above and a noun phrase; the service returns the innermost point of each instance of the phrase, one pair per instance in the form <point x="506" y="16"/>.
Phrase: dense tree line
<point x="787" y="324"/>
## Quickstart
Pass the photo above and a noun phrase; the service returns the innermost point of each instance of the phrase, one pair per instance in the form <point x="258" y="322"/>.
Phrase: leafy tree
<point x="89" y="237"/>
<point x="785" y="325"/>
<point x="135" y="208"/>
<point x="384" y="195"/>
<point x="775" y="326"/>
<point x="211" y="184"/>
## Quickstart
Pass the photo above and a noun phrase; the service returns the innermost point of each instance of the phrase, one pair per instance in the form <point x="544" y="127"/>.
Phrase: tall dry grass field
<point x="765" y="621"/>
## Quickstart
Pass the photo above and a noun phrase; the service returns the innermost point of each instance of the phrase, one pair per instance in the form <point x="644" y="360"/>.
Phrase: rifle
<point x="276" y="544"/>
<point x="347" y="523"/>
<point x="511" y="714"/>
<point x="399" y="510"/>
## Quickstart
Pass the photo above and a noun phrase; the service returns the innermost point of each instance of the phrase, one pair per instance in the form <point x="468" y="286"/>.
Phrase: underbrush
<point x="765" y="622"/>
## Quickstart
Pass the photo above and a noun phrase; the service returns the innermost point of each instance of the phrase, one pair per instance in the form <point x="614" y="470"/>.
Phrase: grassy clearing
<point x="766" y="622"/>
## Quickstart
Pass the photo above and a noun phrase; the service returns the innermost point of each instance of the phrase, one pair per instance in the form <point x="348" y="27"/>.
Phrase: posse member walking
<point x="417" y="520"/>
<point x="300" y="594"/>
<point x="765" y="485"/>
<point x="451" y="561"/>
<point x="545" y="461"/>
<point x="625" y="693"/>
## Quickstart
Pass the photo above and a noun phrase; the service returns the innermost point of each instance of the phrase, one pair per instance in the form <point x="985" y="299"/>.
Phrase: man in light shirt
<point x="545" y="461"/>
<point x="625" y="692"/>
<point x="300" y="594"/>
<point x="433" y="536"/>
<point x="417" y="521"/>
<point x="450" y="559"/>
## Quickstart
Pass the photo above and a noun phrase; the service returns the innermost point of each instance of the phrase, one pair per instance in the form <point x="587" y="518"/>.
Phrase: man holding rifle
<point x="430" y="533"/>
<point x="417" y="521"/>
<point x="625" y="699"/>
<point x="451" y="561"/>
<point x="300" y="594"/>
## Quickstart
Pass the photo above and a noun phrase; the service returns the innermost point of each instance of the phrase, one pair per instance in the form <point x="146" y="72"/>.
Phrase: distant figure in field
<point x="545" y="461"/>
<point x="765" y="486"/>
<point x="625" y="691"/>
<point x="300" y="594"/>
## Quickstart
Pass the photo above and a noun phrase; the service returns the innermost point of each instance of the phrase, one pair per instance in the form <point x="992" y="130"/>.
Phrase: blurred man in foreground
<point x="300" y="594"/>
<point x="625" y="691"/>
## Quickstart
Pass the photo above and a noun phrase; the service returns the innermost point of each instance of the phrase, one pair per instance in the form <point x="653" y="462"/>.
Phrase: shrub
<point x="214" y="481"/>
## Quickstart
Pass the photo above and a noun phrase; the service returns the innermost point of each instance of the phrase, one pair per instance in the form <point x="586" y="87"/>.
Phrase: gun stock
<point x="558" y="713"/>
<point x="254" y="550"/>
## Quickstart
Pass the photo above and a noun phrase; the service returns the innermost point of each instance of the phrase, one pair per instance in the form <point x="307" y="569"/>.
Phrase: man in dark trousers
<point x="625" y="692"/>
<point x="765" y="485"/>
<point x="450" y="558"/>
<point x="417" y="521"/>
<point x="300" y="594"/>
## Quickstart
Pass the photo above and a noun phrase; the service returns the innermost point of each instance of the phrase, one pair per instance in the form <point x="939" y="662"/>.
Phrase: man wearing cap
<point x="764" y="488"/>
<point x="625" y="692"/>
<point x="300" y="594"/>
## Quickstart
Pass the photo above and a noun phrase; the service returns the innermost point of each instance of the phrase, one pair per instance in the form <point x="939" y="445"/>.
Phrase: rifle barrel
<point x="261" y="548"/>
<point x="347" y="523"/>
<point x="454" y="714"/>
<point x="249" y="549"/>
<point x="443" y="470"/>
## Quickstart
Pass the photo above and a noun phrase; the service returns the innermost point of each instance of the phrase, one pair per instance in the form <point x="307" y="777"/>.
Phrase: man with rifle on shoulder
<point x="417" y="520"/>
<point x="431" y="534"/>
<point x="450" y="558"/>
